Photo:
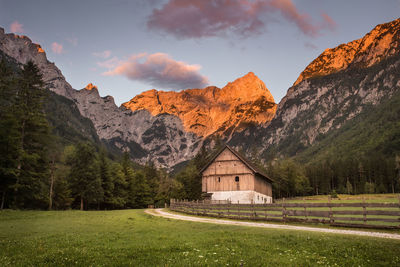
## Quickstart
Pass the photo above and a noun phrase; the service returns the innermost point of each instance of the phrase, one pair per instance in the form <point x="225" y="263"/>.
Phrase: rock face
<point x="383" y="41"/>
<point x="212" y="110"/>
<point x="333" y="89"/>
<point x="161" y="139"/>
<point x="22" y="50"/>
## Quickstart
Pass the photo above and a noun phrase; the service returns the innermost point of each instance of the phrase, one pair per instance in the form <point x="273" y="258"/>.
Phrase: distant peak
<point x="250" y="74"/>
<point x="39" y="48"/>
<point x="90" y="86"/>
<point x="248" y="81"/>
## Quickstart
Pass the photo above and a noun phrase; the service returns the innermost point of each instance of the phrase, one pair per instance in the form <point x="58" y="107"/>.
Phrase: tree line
<point x="375" y="173"/>
<point x="38" y="171"/>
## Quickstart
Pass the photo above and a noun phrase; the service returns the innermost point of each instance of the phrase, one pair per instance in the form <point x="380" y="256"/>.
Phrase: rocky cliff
<point x="380" y="43"/>
<point x="212" y="110"/>
<point x="337" y="86"/>
<point x="160" y="138"/>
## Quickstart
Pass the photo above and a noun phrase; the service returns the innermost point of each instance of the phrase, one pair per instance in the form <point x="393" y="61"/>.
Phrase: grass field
<point x="131" y="237"/>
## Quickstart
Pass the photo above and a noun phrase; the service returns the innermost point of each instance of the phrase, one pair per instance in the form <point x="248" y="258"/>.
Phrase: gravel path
<point x="162" y="213"/>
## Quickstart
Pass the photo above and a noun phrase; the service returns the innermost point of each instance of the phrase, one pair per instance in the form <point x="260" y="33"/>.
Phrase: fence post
<point x="305" y="211"/>
<point x="283" y="210"/>
<point x="238" y="210"/>
<point x="330" y="210"/>
<point x="399" y="208"/>
<point x="266" y="209"/>
<point x="364" y="211"/>
<point x="253" y="213"/>
<point x="229" y="204"/>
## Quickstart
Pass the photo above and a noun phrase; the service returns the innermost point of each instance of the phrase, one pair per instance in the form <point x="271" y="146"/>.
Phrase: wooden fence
<point x="366" y="215"/>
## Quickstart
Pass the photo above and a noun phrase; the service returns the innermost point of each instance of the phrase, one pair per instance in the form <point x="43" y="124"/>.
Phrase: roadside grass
<point x="133" y="238"/>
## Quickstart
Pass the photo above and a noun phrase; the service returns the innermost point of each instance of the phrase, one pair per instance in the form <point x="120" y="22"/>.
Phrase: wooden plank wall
<point x="364" y="215"/>
<point x="220" y="176"/>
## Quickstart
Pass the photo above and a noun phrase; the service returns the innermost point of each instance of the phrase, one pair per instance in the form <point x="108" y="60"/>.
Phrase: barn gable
<point x="229" y="176"/>
<point x="229" y="154"/>
<point x="226" y="163"/>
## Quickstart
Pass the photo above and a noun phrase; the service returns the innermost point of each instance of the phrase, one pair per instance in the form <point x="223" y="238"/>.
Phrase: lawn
<point x="131" y="237"/>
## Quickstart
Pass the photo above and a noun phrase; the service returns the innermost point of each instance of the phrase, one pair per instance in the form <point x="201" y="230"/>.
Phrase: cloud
<point x="110" y="63"/>
<point x="328" y="22"/>
<point x="16" y="27"/>
<point x="199" y="18"/>
<point x="104" y="54"/>
<point x="290" y="12"/>
<point x="160" y="71"/>
<point x="310" y="46"/>
<point x="57" y="48"/>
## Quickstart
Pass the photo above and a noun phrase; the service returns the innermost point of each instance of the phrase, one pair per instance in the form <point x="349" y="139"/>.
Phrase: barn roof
<point x="246" y="162"/>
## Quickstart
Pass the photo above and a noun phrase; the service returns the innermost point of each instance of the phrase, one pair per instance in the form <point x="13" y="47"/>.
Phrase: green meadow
<point x="134" y="238"/>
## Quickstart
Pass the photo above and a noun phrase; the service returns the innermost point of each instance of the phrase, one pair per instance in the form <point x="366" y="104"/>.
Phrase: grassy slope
<point x="130" y="237"/>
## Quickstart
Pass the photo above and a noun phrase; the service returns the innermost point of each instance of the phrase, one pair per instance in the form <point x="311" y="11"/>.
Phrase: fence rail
<point x="365" y="215"/>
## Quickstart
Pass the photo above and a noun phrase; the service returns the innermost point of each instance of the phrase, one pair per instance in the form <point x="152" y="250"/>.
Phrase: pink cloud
<point x="290" y="12"/>
<point x="199" y="18"/>
<point x="103" y="54"/>
<point x="16" y="27"/>
<point x="110" y="63"/>
<point x="328" y="22"/>
<point x="310" y="46"/>
<point x="161" y="71"/>
<point x="57" y="48"/>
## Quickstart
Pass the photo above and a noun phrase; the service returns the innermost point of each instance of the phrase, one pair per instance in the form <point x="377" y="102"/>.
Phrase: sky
<point x="126" y="47"/>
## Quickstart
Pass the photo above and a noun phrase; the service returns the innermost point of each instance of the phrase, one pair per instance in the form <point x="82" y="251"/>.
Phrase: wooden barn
<point x="231" y="177"/>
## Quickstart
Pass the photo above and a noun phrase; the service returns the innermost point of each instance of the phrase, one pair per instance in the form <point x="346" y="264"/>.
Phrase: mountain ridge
<point x="382" y="41"/>
<point x="320" y="103"/>
<point x="211" y="110"/>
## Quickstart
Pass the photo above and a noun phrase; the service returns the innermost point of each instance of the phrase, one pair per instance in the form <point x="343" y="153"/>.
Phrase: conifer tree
<point x="8" y="132"/>
<point x="120" y="192"/>
<point x="139" y="191"/>
<point x="106" y="179"/>
<point x="84" y="179"/>
<point x="30" y="189"/>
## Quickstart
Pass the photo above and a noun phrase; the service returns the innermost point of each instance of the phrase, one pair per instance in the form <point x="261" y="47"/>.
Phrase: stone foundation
<point x="244" y="197"/>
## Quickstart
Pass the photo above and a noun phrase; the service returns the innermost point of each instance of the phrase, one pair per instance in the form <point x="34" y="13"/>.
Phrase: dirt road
<point x="165" y="214"/>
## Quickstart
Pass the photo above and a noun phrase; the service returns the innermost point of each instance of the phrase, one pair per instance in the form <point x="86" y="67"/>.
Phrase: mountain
<point x="212" y="110"/>
<point x="338" y="87"/>
<point x="166" y="128"/>
<point x="160" y="139"/>
<point x="63" y="115"/>
<point x="344" y="86"/>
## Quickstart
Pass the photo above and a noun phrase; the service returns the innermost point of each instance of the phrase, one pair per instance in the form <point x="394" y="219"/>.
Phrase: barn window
<point x="219" y="179"/>
<point x="237" y="179"/>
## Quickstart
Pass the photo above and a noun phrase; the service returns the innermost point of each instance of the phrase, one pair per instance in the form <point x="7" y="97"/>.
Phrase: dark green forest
<point x="52" y="158"/>
<point x="363" y="156"/>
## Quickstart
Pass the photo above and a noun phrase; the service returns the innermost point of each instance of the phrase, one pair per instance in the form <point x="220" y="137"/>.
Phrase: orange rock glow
<point x="212" y="110"/>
